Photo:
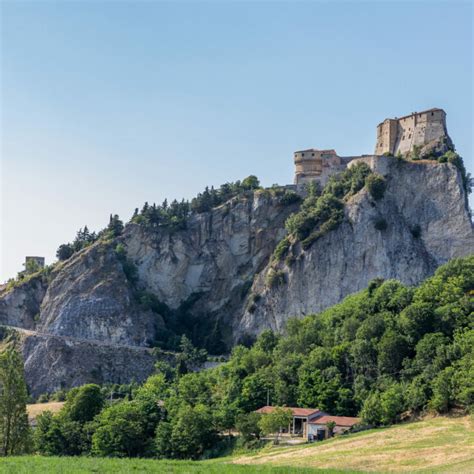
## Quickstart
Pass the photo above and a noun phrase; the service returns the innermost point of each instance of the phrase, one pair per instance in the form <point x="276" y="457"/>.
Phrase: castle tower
<point x="34" y="263"/>
<point x="315" y="165"/>
<point x="424" y="130"/>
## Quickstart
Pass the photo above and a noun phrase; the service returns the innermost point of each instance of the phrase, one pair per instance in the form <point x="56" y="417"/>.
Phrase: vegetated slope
<point x="212" y="273"/>
<point x="433" y="445"/>
<point x="385" y="353"/>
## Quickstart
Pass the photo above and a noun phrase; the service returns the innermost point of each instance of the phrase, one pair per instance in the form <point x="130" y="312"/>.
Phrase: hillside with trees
<point x="388" y="353"/>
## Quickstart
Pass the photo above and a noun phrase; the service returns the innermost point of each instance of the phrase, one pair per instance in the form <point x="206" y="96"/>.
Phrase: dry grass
<point x="439" y="444"/>
<point x="37" y="408"/>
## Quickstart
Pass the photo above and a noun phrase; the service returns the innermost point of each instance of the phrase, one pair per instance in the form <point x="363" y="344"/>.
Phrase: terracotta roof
<point x="294" y="410"/>
<point x="339" y="420"/>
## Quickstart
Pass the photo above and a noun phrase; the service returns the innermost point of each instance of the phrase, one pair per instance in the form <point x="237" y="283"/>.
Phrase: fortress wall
<point x="377" y="163"/>
<point x="386" y="136"/>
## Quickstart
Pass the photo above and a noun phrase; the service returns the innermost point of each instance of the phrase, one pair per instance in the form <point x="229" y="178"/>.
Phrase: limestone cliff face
<point x="427" y="224"/>
<point x="85" y="321"/>
<point x="21" y="307"/>
<point x="213" y="262"/>
<point x="90" y="298"/>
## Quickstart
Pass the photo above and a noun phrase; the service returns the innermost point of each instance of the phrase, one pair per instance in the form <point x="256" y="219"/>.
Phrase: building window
<point x="312" y="154"/>
<point x="302" y="154"/>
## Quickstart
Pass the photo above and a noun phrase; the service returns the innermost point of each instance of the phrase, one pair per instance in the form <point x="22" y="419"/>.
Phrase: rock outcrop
<point x="427" y="223"/>
<point x="87" y="321"/>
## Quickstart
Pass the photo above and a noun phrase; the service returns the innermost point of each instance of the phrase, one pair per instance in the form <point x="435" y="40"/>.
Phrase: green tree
<point x="83" y="403"/>
<point x="272" y="423"/>
<point x="392" y="404"/>
<point x="442" y="387"/>
<point x="48" y="437"/>
<point x="121" y="432"/>
<point x="371" y="412"/>
<point x="64" y="252"/>
<point x="248" y="425"/>
<point x="250" y="182"/>
<point x="330" y="425"/>
<point x="115" y="227"/>
<point x="188" y="434"/>
<point x="14" y="428"/>
<point x="189" y="356"/>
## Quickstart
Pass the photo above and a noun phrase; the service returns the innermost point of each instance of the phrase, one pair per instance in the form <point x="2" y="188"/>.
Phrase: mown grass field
<point x="433" y="445"/>
<point x="37" y="408"/>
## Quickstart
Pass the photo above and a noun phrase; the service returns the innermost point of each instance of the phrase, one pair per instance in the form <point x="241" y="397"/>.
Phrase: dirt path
<point x="29" y="332"/>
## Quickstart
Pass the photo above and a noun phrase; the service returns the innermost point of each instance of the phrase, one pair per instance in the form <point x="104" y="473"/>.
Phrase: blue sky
<point x="106" y="105"/>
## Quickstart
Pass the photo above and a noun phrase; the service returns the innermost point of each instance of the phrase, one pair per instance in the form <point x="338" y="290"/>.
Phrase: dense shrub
<point x="281" y="249"/>
<point x="376" y="185"/>
<point x="190" y="432"/>
<point x="323" y="211"/>
<point x="275" y="278"/>
<point x="68" y="433"/>
<point x="289" y="198"/>
<point x="122" y="431"/>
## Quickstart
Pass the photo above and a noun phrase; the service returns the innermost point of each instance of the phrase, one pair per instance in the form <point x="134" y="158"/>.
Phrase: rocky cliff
<point x="88" y="319"/>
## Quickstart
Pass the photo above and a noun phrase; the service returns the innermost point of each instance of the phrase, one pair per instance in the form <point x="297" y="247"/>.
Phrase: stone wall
<point x="416" y="130"/>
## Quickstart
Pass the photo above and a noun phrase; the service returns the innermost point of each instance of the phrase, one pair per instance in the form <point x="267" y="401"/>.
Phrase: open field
<point x="65" y="465"/>
<point x="433" y="445"/>
<point x="37" y="408"/>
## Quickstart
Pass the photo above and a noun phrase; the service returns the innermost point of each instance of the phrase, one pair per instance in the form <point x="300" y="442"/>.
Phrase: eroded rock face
<point x="20" y="307"/>
<point x="427" y="224"/>
<point x="53" y="363"/>
<point x="90" y="298"/>
<point x="212" y="262"/>
<point x="86" y="322"/>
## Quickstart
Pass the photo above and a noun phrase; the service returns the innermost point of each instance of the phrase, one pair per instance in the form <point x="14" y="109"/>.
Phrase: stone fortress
<point x="424" y="133"/>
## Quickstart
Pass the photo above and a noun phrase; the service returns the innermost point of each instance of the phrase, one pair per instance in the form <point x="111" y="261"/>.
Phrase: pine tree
<point x="14" y="428"/>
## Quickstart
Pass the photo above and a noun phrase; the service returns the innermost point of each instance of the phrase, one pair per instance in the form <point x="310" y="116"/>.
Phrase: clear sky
<point x="106" y="105"/>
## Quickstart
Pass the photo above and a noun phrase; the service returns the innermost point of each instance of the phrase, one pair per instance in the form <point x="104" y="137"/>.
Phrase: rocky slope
<point x="427" y="224"/>
<point x="88" y="321"/>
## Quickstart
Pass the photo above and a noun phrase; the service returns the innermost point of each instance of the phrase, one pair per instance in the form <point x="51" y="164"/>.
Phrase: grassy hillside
<point x="434" y="445"/>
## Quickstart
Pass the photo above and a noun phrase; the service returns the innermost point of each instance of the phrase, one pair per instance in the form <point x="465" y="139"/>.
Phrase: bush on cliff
<point x="323" y="211"/>
<point x="376" y="185"/>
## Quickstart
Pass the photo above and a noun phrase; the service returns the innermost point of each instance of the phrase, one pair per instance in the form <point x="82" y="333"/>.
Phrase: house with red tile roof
<point x="318" y="427"/>
<point x="311" y="423"/>
<point x="301" y="418"/>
